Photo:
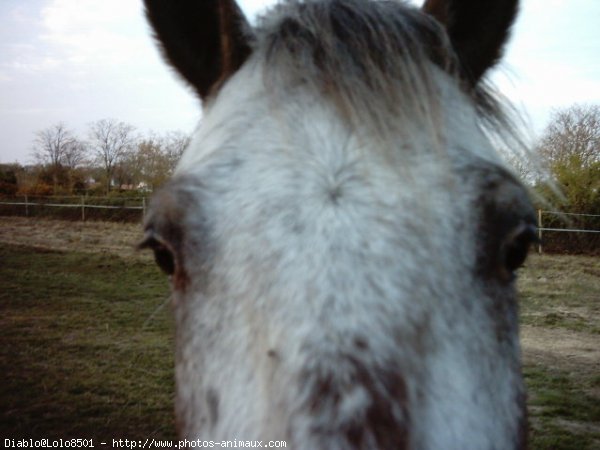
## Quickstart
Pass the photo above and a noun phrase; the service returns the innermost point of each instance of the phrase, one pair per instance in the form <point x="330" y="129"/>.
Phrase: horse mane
<point x="373" y="60"/>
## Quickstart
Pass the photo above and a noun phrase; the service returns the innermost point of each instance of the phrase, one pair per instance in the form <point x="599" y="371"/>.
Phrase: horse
<point x="341" y="236"/>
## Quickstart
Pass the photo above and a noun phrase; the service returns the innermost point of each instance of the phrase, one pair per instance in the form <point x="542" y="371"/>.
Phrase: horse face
<point x="337" y="284"/>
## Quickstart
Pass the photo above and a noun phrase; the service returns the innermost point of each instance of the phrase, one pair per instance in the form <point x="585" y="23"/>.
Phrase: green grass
<point x="562" y="292"/>
<point x="83" y="352"/>
<point x="563" y="414"/>
<point x="87" y="351"/>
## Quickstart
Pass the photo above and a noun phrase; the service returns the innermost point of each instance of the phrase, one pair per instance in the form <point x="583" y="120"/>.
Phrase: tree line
<point x="564" y="176"/>
<point x="113" y="157"/>
<point x="570" y="149"/>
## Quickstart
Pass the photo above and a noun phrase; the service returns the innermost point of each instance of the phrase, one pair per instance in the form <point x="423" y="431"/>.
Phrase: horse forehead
<point x="245" y="119"/>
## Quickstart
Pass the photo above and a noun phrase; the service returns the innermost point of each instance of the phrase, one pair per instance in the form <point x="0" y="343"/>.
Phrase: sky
<point x="78" y="61"/>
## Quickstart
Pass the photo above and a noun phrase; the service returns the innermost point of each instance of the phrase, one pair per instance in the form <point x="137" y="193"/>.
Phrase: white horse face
<point x="339" y="282"/>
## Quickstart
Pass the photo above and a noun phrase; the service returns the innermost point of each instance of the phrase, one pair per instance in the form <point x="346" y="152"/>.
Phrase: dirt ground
<point x="97" y="237"/>
<point x="568" y="349"/>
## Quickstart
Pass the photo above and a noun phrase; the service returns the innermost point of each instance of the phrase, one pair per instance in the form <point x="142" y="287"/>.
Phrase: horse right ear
<point x="478" y="30"/>
<point x="205" y="40"/>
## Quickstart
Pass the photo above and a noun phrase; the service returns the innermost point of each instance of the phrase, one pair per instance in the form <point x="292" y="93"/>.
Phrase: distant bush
<point x="8" y="188"/>
<point x="39" y="188"/>
<point x="8" y="181"/>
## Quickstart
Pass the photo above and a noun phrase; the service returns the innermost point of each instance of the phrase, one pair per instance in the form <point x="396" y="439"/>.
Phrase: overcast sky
<point x="78" y="61"/>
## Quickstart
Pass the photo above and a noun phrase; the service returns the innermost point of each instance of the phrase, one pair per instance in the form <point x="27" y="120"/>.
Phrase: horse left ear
<point x="478" y="30"/>
<point x="205" y="40"/>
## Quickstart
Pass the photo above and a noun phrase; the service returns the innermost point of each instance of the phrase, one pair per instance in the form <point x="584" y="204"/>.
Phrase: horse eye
<point x="517" y="246"/>
<point x="162" y="255"/>
<point x="164" y="259"/>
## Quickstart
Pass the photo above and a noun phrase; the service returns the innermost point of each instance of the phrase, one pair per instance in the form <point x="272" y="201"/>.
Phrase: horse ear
<point x="205" y="40"/>
<point x="477" y="29"/>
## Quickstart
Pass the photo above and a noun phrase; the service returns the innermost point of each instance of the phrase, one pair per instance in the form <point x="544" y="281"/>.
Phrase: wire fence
<point x="119" y="209"/>
<point x="568" y="232"/>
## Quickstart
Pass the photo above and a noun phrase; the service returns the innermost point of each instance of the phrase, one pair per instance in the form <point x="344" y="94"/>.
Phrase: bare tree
<point x="75" y="154"/>
<point x="174" y="143"/>
<point x="154" y="158"/>
<point x="126" y="171"/>
<point x="51" y="145"/>
<point x="110" y="140"/>
<point x="152" y="162"/>
<point x="571" y="146"/>
<point x="572" y="136"/>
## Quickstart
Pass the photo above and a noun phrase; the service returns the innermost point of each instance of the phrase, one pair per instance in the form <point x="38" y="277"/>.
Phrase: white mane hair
<point x="372" y="59"/>
<point x="341" y="234"/>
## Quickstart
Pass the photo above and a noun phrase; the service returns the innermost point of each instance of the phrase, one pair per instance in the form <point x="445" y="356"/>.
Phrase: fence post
<point x="26" y="207"/>
<point x="82" y="208"/>
<point x="540" y="231"/>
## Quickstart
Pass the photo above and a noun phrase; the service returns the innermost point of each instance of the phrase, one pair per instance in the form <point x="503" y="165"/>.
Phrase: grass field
<point x="87" y="341"/>
<point x="86" y="349"/>
<point x="560" y="317"/>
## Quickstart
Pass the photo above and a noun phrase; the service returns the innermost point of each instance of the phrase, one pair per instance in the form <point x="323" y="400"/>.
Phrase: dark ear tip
<point x="204" y="40"/>
<point x="478" y="30"/>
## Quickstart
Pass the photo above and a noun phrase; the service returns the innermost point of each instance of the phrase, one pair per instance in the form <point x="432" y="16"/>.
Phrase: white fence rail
<point x="541" y="227"/>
